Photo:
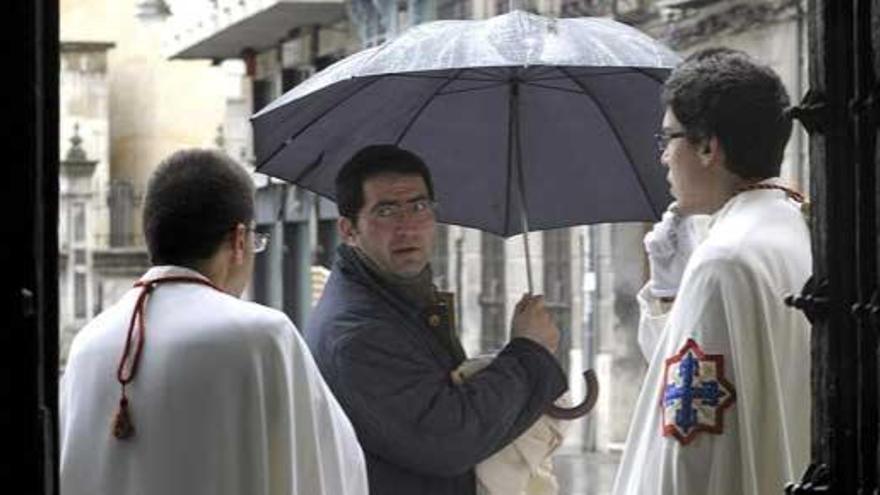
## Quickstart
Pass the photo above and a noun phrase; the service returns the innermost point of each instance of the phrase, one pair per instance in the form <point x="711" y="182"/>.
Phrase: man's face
<point x="399" y="244"/>
<point x="688" y="176"/>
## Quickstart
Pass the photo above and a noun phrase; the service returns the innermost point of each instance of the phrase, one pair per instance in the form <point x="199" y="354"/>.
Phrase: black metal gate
<point x="841" y="113"/>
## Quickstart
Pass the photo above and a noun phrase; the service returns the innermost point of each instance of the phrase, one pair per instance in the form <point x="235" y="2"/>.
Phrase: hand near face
<point x="669" y="246"/>
<point x="531" y="320"/>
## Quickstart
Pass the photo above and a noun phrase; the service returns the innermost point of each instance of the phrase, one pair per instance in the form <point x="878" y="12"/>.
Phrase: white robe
<point x="730" y="304"/>
<point x="227" y="400"/>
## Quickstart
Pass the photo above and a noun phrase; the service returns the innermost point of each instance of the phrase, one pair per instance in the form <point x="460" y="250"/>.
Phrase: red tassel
<point x="122" y="425"/>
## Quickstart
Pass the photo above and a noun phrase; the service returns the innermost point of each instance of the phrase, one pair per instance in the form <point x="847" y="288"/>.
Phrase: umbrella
<point x="526" y="122"/>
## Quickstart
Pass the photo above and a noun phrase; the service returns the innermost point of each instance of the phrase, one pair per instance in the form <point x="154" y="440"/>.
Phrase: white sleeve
<point x="652" y="319"/>
<point x="718" y="300"/>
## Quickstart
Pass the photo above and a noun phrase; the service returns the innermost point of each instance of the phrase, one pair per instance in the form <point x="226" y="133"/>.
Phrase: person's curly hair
<point x="724" y="93"/>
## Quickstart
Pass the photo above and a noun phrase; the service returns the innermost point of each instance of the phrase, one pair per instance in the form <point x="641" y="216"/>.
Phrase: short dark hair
<point x="724" y="93"/>
<point x="372" y="161"/>
<point x="194" y="199"/>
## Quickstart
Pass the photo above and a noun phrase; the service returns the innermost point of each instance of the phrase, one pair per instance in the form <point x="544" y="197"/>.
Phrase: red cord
<point x="795" y="195"/>
<point x="122" y="424"/>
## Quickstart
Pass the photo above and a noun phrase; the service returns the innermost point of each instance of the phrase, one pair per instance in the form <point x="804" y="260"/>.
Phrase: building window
<point x="290" y="78"/>
<point x="78" y="218"/>
<point x="493" y="289"/>
<point x="373" y="19"/>
<point x="375" y="33"/>
<point x="453" y="9"/>
<point x="80" y="306"/>
<point x="503" y="6"/>
<point x="440" y="258"/>
<point x="557" y="285"/>
<point x="584" y="8"/>
<point x="121" y="202"/>
<point x="263" y="92"/>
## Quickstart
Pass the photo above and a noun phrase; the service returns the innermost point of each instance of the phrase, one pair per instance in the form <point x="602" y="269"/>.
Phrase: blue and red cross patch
<point x="695" y="393"/>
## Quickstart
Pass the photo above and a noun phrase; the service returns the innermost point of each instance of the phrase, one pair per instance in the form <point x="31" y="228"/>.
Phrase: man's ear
<point x="239" y="241"/>
<point x="347" y="229"/>
<point x="711" y="152"/>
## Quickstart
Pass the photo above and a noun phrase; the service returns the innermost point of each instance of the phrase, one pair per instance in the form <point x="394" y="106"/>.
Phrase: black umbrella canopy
<point x="560" y="113"/>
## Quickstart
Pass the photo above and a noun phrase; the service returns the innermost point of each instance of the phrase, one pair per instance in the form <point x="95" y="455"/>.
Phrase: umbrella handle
<point x="584" y="407"/>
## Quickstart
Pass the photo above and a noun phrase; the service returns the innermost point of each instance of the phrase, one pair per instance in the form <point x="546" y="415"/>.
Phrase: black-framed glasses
<point x="420" y="209"/>
<point x="663" y="137"/>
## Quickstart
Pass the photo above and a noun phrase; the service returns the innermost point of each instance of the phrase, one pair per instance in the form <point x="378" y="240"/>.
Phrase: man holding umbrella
<point x="725" y="407"/>
<point x="384" y="340"/>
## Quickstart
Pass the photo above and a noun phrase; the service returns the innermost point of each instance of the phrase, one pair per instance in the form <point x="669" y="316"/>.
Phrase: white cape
<point x="227" y="400"/>
<point x="730" y="305"/>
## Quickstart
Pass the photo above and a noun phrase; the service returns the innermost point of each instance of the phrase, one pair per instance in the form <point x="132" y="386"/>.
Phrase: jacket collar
<point x="349" y="263"/>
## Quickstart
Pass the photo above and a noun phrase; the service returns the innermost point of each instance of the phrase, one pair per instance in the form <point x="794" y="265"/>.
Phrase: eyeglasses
<point x="663" y="137"/>
<point x="420" y="209"/>
<point x="260" y="240"/>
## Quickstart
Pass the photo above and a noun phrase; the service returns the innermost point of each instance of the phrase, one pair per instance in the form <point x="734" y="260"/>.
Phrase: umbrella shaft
<point x="520" y="183"/>
<point x="528" y="254"/>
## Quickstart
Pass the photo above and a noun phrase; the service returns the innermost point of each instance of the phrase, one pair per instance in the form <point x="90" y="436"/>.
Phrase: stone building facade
<point x="123" y="107"/>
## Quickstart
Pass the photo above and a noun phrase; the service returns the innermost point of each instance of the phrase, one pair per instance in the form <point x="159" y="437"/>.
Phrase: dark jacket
<point x="422" y="434"/>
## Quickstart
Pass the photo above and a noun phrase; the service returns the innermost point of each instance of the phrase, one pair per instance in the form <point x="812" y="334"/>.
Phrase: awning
<point x="224" y="35"/>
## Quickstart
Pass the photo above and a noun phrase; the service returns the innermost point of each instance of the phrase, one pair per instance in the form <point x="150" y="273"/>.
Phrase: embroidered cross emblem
<point x="695" y="393"/>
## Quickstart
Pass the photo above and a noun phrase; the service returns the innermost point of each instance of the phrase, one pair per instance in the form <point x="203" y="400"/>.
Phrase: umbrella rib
<point x="484" y="72"/>
<point x="508" y="181"/>
<point x="315" y="120"/>
<point x="425" y="104"/>
<point x="431" y="76"/>
<point x="611" y="72"/>
<point x="540" y="71"/>
<point x="554" y="88"/>
<point x="588" y="94"/>
<point x="644" y="72"/>
<point x="309" y="168"/>
<point x="467" y="90"/>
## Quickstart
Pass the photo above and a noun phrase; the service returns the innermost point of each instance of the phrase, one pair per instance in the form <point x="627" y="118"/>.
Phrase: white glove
<point x="669" y="246"/>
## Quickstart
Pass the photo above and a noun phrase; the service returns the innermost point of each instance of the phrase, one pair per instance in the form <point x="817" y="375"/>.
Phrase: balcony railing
<point x="602" y="8"/>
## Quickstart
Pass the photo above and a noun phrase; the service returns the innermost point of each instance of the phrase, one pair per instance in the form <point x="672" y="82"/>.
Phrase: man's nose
<point x="664" y="157"/>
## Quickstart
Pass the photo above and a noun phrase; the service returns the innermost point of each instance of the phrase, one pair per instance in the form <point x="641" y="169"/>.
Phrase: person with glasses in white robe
<point x="181" y="387"/>
<point x="725" y="405"/>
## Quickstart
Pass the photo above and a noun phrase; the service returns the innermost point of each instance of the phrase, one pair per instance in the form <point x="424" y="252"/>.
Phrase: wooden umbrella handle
<point x="584" y="407"/>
